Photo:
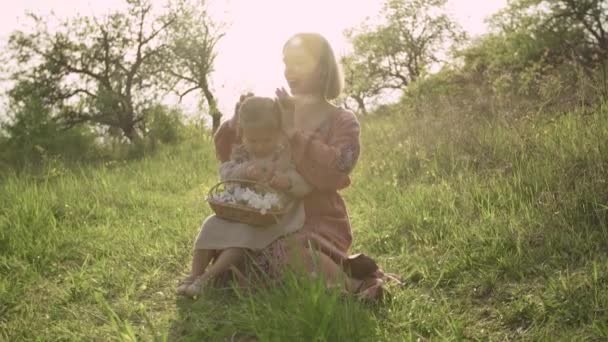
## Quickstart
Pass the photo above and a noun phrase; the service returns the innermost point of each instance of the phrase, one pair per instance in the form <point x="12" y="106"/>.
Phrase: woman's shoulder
<point x="224" y="139"/>
<point x="345" y="118"/>
<point x="341" y="111"/>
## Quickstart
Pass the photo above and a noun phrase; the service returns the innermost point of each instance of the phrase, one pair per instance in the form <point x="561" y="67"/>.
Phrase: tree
<point x="104" y="72"/>
<point x="359" y="86"/>
<point x="565" y="29"/>
<point x="32" y="134"/>
<point x="397" y="52"/>
<point x="192" y="41"/>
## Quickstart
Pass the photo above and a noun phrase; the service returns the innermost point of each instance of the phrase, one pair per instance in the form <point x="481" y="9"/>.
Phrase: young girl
<point x="261" y="157"/>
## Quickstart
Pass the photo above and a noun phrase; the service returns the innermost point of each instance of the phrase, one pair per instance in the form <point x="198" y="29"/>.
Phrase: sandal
<point x="371" y="290"/>
<point x="360" y="266"/>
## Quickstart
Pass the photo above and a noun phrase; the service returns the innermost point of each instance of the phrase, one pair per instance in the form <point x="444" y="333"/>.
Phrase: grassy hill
<point x="500" y="230"/>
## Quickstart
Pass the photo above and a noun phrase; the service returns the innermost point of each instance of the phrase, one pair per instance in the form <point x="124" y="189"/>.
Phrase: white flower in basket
<point x="247" y="202"/>
<point x="237" y="194"/>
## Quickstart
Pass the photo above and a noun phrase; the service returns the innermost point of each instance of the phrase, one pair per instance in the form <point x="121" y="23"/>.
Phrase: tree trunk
<point x="131" y="133"/>
<point x="360" y="104"/>
<point x="215" y="113"/>
<point x="215" y="122"/>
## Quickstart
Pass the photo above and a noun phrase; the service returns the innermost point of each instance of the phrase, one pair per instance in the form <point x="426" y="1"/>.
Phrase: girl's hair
<point x="259" y="112"/>
<point x="332" y="81"/>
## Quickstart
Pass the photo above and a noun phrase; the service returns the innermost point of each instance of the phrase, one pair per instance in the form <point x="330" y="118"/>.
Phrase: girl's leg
<point x="200" y="259"/>
<point x="226" y="259"/>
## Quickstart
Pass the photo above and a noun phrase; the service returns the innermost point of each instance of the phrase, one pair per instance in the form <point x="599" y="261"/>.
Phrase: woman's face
<point x="301" y="69"/>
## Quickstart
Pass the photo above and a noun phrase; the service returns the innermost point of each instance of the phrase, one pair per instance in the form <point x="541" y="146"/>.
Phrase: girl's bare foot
<point x="184" y="284"/>
<point x="196" y="287"/>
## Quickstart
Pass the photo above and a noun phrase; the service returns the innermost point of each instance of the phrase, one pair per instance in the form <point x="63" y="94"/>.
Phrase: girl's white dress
<point x="217" y="233"/>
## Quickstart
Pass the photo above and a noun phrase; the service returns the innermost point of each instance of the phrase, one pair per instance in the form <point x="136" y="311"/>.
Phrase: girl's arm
<point x="287" y="178"/>
<point x="326" y="166"/>
<point x="236" y="166"/>
<point x="232" y="170"/>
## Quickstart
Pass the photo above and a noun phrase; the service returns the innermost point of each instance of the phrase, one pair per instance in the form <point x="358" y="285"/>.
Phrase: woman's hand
<point x="287" y="106"/>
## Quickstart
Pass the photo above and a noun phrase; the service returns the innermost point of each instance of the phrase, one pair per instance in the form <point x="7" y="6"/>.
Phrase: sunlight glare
<point x="249" y="56"/>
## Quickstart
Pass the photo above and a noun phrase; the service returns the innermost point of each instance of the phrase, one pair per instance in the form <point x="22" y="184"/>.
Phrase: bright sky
<point x="249" y="56"/>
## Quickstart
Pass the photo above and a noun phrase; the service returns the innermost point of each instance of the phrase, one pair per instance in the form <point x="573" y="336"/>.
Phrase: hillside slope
<point x="499" y="230"/>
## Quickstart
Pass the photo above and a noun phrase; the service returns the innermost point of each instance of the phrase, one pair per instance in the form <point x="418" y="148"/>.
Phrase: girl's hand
<point x="253" y="172"/>
<point x="258" y="173"/>
<point x="280" y="181"/>
<point x="287" y="106"/>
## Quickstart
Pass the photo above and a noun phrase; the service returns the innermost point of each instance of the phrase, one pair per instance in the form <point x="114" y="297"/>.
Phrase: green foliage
<point x="524" y="68"/>
<point x="164" y="125"/>
<point x="299" y="309"/>
<point x="304" y="310"/>
<point x="484" y="187"/>
<point x="567" y="30"/>
<point x="192" y="44"/>
<point x="101" y="71"/>
<point x="33" y="137"/>
<point x="541" y="56"/>
<point x="358" y="85"/>
<point x="498" y="229"/>
<point x="109" y="71"/>
<point x="413" y="36"/>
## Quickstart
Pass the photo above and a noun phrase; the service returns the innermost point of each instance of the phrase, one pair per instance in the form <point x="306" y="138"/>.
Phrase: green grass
<point x="499" y="230"/>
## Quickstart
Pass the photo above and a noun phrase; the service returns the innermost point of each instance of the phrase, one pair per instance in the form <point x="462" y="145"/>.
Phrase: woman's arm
<point x="326" y="166"/>
<point x="226" y="136"/>
<point x="287" y="178"/>
<point x="298" y="186"/>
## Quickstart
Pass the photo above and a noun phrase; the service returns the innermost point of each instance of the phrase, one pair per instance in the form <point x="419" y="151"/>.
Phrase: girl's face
<point x="260" y="142"/>
<point x="302" y="71"/>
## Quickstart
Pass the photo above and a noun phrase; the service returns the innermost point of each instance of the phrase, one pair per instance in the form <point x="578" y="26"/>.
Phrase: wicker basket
<point x="242" y="213"/>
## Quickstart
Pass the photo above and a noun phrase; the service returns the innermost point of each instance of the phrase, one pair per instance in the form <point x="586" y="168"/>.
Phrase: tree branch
<point x="68" y="95"/>
<point x="187" y="92"/>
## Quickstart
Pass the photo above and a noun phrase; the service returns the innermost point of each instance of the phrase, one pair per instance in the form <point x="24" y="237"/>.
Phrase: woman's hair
<point x="259" y="112"/>
<point x="332" y="80"/>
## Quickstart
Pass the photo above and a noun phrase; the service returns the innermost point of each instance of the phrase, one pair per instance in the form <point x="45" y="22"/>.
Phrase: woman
<point x="325" y="144"/>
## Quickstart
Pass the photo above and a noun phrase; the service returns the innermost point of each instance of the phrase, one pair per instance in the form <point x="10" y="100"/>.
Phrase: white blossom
<point x="235" y="194"/>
